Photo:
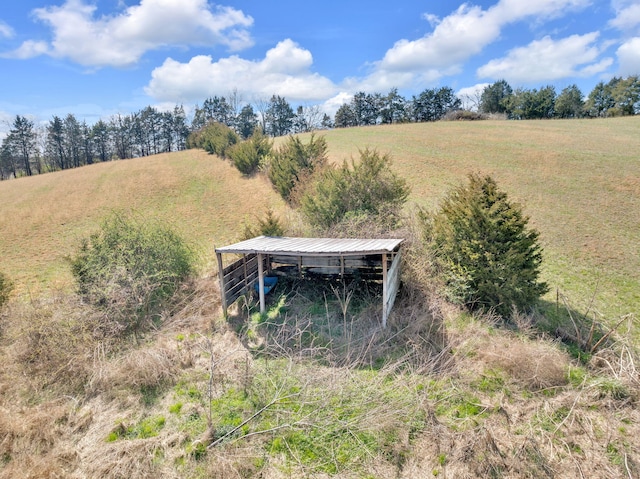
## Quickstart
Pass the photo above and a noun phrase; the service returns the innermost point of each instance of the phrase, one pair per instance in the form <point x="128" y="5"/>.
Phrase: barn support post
<point x="393" y="278"/>
<point x="261" y="283"/>
<point x="385" y="291"/>
<point x="223" y="298"/>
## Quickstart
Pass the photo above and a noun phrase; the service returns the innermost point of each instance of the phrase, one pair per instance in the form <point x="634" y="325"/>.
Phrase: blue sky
<point x="96" y="58"/>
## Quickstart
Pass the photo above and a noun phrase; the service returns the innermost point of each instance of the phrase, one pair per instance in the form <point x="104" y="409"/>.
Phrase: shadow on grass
<point x="581" y="333"/>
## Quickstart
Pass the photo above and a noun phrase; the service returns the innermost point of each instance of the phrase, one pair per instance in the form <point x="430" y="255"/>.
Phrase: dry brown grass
<point x="536" y="424"/>
<point x="535" y="365"/>
<point x="49" y="344"/>
<point x="44" y="217"/>
<point x="35" y="441"/>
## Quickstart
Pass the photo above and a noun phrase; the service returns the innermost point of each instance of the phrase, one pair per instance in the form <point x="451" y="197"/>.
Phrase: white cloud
<point x="331" y="106"/>
<point x="284" y="71"/>
<point x="120" y="40"/>
<point x="508" y="11"/>
<point x="629" y="57"/>
<point x="627" y="15"/>
<point x="548" y="60"/>
<point x="381" y="81"/>
<point x="5" y="30"/>
<point x="29" y="49"/>
<point x="470" y="96"/>
<point x="459" y="36"/>
<point x="472" y="90"/>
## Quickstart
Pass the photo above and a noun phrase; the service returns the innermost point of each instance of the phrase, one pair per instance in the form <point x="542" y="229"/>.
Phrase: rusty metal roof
<point x="312" y="246"/>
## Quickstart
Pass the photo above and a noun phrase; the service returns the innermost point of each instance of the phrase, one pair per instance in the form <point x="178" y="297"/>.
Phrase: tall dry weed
<point x="51" y="342"/>
<point x="36" y="441"/>
<point x="535" y="365"/>
<point x="140" y="369"/>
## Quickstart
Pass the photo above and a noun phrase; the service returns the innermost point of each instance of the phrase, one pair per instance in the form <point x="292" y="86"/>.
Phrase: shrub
<point x="269" y="226"/>
<point x="368" y="188"/>
<point x="215" y="138"/>
<point x="130" y="267"/>
<point x="454" y="115"/>
<point x="294" y="162"/>
<point x="248" y="155"/>
<point x="6" y="287"/>
<point x="489" y="258"/>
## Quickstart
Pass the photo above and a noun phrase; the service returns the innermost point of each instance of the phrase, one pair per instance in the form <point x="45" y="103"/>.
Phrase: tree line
<point x="617" y="97"/>
<point x="64" y="143"/>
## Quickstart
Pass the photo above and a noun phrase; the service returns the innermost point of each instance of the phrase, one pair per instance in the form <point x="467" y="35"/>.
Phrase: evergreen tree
<point x="488" y="257"/>
<point x="433" y="104"/>
<point x="600" y="100"/>
<point x="246" y="122"/>
<point x="345" y="117"/>
<point x="279" y="117"/>
<point x="21" y="142"/>
<point x="102" y="140"/>
<point x="626" y="95"/>
<point x="56" y="143"/>
<point x="494" y="97"/>
<point x="294" y="162"/>
<point x="569" y="103"/>
<point x="393" y="108"/>
<point x="366" y="188"/>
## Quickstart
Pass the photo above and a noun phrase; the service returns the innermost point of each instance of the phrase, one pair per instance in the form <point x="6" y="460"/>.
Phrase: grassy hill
<point x="579" y="181"/>
<point x="43" y="218"/>
<point x="314" y="388"/>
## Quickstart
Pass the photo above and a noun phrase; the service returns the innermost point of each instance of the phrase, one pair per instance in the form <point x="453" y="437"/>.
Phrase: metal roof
<point x="312" y="246"/>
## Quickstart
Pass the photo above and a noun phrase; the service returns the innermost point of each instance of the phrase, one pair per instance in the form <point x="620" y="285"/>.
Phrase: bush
<point x="6" y="287"/>
<point x="489" y="258"/>
<point x="269" y="226"/>
<point x="215" y="138"/>
<point x="294" y="162"/>
<point x="455" y="115"/>
<point x="129" y="268"/>
<point x="368" y="188"/>
<point x="248" y="155"/>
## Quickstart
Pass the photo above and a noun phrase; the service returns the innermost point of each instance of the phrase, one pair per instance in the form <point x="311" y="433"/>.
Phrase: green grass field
<point x="578" y="180"/>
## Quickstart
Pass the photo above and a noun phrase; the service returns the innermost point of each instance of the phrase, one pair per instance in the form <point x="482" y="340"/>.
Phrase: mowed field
<point x="578" y="180"/>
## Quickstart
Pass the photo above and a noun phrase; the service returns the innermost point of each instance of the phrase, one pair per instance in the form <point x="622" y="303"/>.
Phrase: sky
<point x="97" y="58"/>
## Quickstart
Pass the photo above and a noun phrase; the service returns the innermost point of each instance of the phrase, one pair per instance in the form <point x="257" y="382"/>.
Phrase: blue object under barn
<point x="269" y="283"/>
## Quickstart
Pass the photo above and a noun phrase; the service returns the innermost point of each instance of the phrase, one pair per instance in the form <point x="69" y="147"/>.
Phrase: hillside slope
<point x="43" y="218"/>
<point x="315" y="387"/>
<point x="578" y="180"/>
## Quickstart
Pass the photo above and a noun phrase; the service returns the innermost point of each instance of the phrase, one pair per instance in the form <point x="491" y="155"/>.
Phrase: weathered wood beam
<point x="222" y="285"/>
<point x="261" y="283"/>
<point x="385" y="291"/>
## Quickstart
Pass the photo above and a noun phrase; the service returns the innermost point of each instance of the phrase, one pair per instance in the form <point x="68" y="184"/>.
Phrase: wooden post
<point x="385" y="290"/>
<point x="261" y="283"/>
<point x="223" y="299"/>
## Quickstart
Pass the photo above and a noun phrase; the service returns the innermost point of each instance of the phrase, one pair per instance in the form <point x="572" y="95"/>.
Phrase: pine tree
<point x="489" y="258"/>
